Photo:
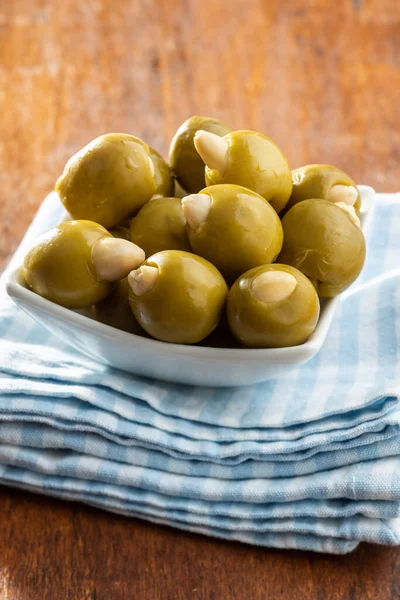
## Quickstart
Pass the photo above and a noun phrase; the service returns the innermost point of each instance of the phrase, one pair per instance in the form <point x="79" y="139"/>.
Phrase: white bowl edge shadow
<point x="193" y="365"/>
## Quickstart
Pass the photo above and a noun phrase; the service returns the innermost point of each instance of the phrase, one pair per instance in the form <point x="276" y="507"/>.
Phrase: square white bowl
<point x="194" y="365"/>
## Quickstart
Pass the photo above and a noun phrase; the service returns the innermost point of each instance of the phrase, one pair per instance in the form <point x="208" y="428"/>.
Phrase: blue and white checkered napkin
<point x="310" y="460"/>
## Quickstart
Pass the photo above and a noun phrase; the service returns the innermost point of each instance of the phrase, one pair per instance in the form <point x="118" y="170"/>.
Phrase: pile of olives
<point x="223" y="245"/>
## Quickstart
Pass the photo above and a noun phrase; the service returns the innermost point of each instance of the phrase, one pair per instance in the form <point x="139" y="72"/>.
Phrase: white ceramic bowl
<point x="197" y="365"/>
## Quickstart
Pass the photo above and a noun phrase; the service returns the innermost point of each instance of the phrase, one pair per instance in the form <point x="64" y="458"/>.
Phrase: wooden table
<point x="322" y="78"/>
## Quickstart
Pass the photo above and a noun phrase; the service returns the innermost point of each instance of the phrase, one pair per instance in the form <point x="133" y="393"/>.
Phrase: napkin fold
<point x="309" y="460"/>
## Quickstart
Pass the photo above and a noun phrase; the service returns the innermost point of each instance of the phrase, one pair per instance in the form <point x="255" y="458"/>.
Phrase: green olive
<point x="160" y="225"/>
<point x="232" y="227"/>
<point x="249" y="159"/>
<point x="108" y="180"/>
<point x="164" y="178"/>
<point x="323" y="242"/>
<point x="76" y="263"/>
<point x="115" y="310"/>
<point x="320" y="181"/>
<point x="60" y="266"/>
<point x="183" y="157"/>
<point x="272" y="306"/>
<point x="177" y="297"/>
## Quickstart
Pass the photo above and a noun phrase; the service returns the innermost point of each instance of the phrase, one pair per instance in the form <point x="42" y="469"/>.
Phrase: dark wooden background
<point x="322" y="78"/>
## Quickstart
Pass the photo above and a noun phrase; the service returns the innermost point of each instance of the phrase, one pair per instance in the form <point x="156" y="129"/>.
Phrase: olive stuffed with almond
<point x="326" y="182"/>
<point x="272" y="306"/>
<point x="249" y="159"/>
<point x="233" y="227"/>
<point x="323" y="240"/>
<point x="177" y="297"/>
<point x="77" y="263"/>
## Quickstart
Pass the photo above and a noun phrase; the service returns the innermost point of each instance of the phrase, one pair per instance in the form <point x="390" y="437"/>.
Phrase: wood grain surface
<point x="322" y="78"/>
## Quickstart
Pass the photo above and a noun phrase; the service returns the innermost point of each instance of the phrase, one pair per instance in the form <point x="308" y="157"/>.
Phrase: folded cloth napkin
<point x="308" y="460"/>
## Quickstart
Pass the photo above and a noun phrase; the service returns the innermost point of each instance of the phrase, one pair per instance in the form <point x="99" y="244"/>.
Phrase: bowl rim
<point x="292" y="354"/>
